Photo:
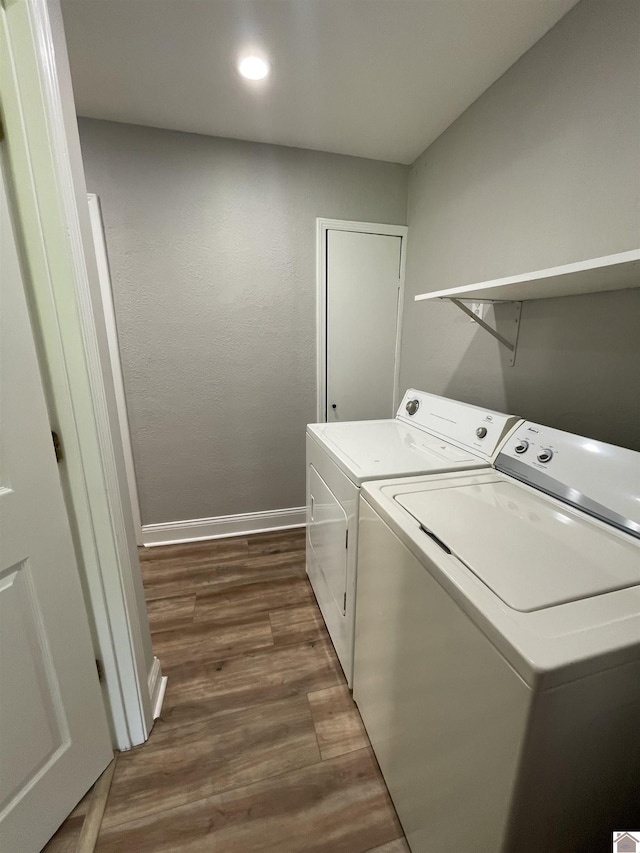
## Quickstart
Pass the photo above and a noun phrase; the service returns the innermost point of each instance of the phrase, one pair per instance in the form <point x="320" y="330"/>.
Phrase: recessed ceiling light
<point x="253" y="67"/>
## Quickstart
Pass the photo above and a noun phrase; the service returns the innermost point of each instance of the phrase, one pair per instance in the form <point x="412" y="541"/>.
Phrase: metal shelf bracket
<point x="513" y="321"/>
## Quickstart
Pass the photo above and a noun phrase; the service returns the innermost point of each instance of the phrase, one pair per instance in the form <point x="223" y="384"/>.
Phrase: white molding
<point x="104" y="275"/>
<point x="397" y="395"/>
<point x="48" y="182"/>
<point x="157" y="687"/>
<point x="120" y="602"/>
<point x="222" y="526"/>
<point x="322" y="227"/>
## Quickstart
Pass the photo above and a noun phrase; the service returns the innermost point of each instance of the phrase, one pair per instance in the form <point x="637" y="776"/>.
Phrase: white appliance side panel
<point x="581" y="765"/>
<point x="332" y="530"/>
<point x="328" y="537"/>
<point x="445" y="713"/>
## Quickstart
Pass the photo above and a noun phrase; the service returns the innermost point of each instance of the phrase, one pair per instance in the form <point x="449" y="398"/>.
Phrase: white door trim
<point x="104" y="275"/>
<point x="322" y="227"/>
<point x="50" y="196"/>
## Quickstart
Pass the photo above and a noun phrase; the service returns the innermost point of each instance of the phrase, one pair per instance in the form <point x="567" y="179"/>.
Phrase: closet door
<point x="363" y="287"/>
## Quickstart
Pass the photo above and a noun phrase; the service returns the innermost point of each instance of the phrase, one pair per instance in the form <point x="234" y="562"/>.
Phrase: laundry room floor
<point x="259" y="746"/>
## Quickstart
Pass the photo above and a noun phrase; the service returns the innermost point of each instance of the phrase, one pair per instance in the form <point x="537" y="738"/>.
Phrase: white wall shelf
<point x="612" y="272"/>
<point x="597" y="275"/>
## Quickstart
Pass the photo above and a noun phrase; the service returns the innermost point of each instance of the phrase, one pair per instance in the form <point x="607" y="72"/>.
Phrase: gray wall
<point x="212" y="250"/>
<point x="543" y="169"/>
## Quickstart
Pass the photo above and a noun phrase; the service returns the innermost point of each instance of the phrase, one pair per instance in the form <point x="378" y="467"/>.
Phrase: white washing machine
<point x="497" y="648"/>
<point x="428" y="434"/>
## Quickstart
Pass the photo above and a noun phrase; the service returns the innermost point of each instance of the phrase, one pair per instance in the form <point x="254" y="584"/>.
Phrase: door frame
<point x="104" y="275"/>
<point x="323" y="226"/>
<point x="48" y="196"/>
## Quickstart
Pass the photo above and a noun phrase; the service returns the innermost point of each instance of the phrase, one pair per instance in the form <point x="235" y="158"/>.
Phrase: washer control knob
<point x="481" y="432"/>
<point x="545" y="454"/>
<point x="522" y="446"/>
<point x="413" y="406"/>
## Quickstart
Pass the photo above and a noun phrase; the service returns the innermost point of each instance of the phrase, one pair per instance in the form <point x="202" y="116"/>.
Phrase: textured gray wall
<point x="543" y="169"/>
<point x="212" y="250"/>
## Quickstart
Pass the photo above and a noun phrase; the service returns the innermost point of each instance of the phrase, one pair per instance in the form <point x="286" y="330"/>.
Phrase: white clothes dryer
<point x="497" y="648"/>
<point x="428" y="434"/>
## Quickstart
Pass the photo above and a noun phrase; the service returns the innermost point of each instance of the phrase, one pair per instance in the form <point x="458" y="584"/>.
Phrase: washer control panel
<point x="600" y="478"/>
<point x="542" y="448"/>
<point x="544" y="454"/>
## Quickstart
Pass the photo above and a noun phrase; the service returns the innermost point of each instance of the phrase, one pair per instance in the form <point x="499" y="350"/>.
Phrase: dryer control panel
<point x="469" y="427"/>
<point x="601" y="479"/>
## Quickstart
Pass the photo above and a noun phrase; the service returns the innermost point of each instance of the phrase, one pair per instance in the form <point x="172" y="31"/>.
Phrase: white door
<point x="363" y="287"/>
<point x="54" y="736"/>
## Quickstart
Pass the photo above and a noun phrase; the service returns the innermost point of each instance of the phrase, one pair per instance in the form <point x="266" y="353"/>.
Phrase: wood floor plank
<point x="66" y="838"/>
<point x="211" y="641"/>
<point x="260" y="567"/>
<point x="198" y="559"/>
<point x="243" y="600"/>
<point x="166" y="578"/>
<point x="174" y="612"/>
<point x="182" y="577"/>
<point x="339" y="728"/>
<point x="184" y="567"/>
<point x="297" y="624"/>
<point x="398" y="846"/>
<point x="256" y="750"/>
<point x="182" y="764"/>
<point x="199" y="691"/>
<point x="212" y="547"/>
<point x="337" y="806"/>
<point x="278" y="542"/>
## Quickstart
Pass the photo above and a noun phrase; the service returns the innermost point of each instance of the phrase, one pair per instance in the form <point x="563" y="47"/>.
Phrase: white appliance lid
<point x="532" y="552"/>
<point x="390" y="448"/>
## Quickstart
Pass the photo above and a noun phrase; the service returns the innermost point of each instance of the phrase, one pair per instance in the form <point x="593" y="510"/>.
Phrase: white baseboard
<point x="162" y="689"/>
<point x="157" y="684"/>
<point x="196" y="529"/>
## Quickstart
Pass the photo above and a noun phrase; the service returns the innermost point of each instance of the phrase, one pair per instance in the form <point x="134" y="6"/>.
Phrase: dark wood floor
<point x="259" y="746"/>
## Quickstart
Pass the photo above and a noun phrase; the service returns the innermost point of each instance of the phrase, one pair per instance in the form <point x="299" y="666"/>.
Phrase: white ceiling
<point x="371" y="78"/>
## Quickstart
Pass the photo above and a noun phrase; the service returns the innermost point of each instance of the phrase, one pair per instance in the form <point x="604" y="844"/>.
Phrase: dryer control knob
<point x="545" y="454"/>
<point x="481" y="432"/>
<point x="522" y="446"/>
<point x="413" y="406"/>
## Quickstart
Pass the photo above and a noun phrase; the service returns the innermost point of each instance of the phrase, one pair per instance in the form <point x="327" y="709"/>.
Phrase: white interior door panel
<point x="54" y="736"/>
<point x="363" y="287"/>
